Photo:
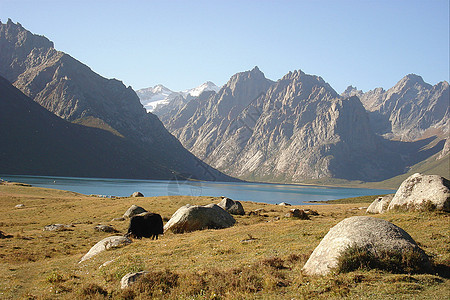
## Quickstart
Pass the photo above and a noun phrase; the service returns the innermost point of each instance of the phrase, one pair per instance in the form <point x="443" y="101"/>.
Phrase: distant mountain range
<point x="410" y="110"/>
<point x="297" y="129"/>
<point x="72" y="91"/>
<point x="162" y="101"/>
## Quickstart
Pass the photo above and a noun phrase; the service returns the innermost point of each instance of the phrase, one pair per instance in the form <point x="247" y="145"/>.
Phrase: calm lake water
<point x="258" y="192"/>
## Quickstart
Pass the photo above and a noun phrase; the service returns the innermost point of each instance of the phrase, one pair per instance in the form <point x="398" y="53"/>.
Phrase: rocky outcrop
<point x="380" y="204"/>
<point x="232" y="206"/>
<point x="422" y="192"/>
<point x="410" y="110"/>
<point x="373" y="234"/>
<point x="193" y="217"/>
<point x="106" y="244"/>
<point x="74" y="92"/>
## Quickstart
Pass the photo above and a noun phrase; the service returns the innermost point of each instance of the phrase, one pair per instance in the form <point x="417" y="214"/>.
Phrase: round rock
<point x="106" y="244"/>
<point x="133" y="210"/>
<point x="193" y="217"/>
<point x="380" y="204"/>
<point x="137" y="194"/>
<point x="231" y="206"/>
<point x="419" y="189"/>
<point x="371" y="233"/>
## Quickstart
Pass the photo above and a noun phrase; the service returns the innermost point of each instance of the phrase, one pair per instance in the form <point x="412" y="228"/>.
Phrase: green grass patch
<point x="360" y="199"/>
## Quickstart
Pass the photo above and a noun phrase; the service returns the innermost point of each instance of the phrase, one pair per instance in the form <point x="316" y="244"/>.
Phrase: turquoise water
<point x="258" y="192"/>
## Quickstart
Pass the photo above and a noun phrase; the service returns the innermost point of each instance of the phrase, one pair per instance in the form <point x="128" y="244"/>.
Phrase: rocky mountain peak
<point x="22" y="37"/>
<point x="411" y="80"/>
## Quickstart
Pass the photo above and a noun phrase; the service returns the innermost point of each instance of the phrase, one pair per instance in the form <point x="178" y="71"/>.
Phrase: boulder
<point x="418" y="191"/>
<point x="284" y="204"/>
<point x="137" y="194"/>
<point x="193" y="217"/>
<point x="105" y="228"/>
<point x="133" y="210"/>
<point x="297" y="213"/>
<point x="130" y="278"/>
<point x="20" y="206"/>
<point x="380" y="204"/>
<point x="106" y="244"/>
<point x="311" y="212"/>
<point x="370" y="233"/>
<point x="231" y="206"/>
<point x="57" y="227"/>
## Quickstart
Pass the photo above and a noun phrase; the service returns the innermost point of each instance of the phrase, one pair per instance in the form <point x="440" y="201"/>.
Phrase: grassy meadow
<point x="259" y="258"/>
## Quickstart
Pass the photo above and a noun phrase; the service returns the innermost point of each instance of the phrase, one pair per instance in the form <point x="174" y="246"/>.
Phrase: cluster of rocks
<point x="375" y="235"/>
<point x="417" y="192"/>
<point x="58" y="227"/>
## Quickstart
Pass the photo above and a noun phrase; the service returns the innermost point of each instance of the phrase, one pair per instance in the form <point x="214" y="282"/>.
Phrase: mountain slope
<point x="201" y="123"/>
<point x="295" y="129"/>
<point x="410" y="110"/>
<point x="35" y="141"/>
<point x="74" y="92"/>
<point x="302" y="129"/>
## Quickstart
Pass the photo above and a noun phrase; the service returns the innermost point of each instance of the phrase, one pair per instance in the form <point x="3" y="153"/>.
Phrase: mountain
<point x="72" y="91"/>
<point x="163" y="102"/>
<point x="34" y="141"/>
<point x="153" y="96"/>
<point x="410" y="110"/>
<point x="205" y="87"/>
<point x="295" y="129"/>
<point x="201" y="123"/>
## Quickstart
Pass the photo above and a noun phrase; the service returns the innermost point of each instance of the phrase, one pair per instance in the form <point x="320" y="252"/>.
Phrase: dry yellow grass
<point x="208" y="264"/>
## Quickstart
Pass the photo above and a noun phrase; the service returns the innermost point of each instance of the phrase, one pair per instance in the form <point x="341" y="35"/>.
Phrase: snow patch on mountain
<point x="160" y="96"/>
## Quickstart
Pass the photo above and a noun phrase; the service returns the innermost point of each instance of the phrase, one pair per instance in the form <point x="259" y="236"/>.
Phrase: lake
<point x="243" y="191"/>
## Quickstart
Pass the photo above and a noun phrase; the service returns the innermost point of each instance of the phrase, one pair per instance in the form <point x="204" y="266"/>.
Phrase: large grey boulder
<point x="419" y="190"/>
<point x="193" y="217"/>
<point x="370" y="233"/>
<point x="133" y="210"/>
<point x="231" y="206"/>
<point x="130" y="278"/>
<point x="380" y="204"/>
<point x="106" y="244"/>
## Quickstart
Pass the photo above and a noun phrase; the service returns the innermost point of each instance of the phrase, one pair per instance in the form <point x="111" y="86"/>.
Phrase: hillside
<point x="34" y="141"/>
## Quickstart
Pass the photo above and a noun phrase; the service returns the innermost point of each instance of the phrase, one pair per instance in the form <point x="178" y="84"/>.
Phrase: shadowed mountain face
<point x="72" y="91"/>
<point x="295" y="129"/>
<point x="34" y="141"/>
<point x="410" y="110"/>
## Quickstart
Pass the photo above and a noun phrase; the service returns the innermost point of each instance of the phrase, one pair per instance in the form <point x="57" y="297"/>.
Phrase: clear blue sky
<point x="184" y="43"/>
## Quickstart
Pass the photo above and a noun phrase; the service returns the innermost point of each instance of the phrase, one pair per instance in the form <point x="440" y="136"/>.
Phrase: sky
<point x="181" y="44"/>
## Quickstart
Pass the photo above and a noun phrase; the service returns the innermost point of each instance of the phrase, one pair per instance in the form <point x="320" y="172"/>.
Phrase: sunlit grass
<point x="260" y="257"/>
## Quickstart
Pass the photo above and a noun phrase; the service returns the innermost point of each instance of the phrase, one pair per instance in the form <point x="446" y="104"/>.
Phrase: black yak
<point x="145" y="225"/>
